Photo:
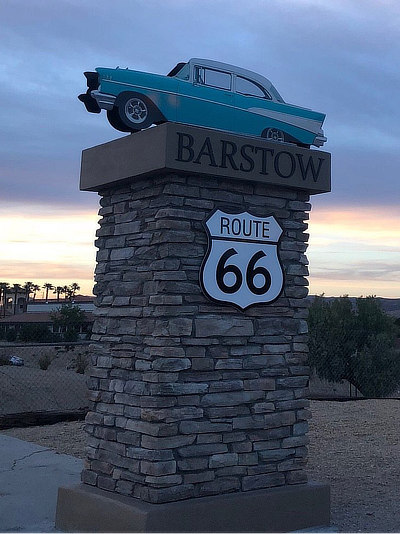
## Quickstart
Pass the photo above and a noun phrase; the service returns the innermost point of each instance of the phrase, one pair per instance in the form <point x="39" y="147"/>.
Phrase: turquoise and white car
<point x="205" y="93"/>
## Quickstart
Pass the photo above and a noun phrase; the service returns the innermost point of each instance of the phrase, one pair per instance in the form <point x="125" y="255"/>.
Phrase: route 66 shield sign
<point x="242" y="266"/>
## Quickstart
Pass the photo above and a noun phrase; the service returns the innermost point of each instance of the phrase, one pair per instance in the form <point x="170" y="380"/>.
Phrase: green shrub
<point x="354" y="343"/>
<point x="377" y="367"/>
<point x="71" y="335"/>
<point x="81" y="362"/>
<point x="45" y="361"/>
<point x="11" y="335"/>
<point x="35" y="332"/>
<point x="70" y="319"/>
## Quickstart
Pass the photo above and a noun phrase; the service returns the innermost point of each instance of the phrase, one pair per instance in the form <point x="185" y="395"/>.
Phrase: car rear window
<point x="247" y="87"/>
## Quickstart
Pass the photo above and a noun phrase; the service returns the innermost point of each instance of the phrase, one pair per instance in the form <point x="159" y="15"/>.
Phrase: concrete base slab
<point x="86" y="509"/>
<point x="30" y="476"/>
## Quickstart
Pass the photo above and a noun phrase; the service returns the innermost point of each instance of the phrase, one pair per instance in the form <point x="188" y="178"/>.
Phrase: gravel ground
<point x="354" y="447"/>
<point x="65" y="438"/>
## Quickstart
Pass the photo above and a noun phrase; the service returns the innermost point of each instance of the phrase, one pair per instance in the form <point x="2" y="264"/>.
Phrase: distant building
<point x="40" y="311"/>
<point x="15" y="303"/>
<point x="85" y="303"/>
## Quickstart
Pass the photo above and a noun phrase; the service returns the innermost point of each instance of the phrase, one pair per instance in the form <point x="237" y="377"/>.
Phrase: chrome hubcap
<point x="136" y="110"/>
<point x="275" y="135"/>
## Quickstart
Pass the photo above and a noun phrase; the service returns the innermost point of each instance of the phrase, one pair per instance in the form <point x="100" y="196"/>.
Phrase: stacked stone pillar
<point x="192" y="401"/>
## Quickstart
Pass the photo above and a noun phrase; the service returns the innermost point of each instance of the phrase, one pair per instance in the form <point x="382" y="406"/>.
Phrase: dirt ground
<point x="31" y="389"/>
<point x="354" y="447"/>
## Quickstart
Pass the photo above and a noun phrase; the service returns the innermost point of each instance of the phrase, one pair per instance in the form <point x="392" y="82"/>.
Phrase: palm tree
<point x="35" y="289"/>
<point x="17" y="289"/>
<point x="74" y="288"/>
<point x="28" y="287"/>
<point x="47" y="286"/>
<point x="4" y="288"/>
<point x="2" y="284"/>
<point x="59" y="290"/>
<point x="66" y="291"/>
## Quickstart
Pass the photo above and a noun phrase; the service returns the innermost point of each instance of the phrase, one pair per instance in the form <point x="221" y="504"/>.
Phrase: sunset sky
<point x="340" y="57"/>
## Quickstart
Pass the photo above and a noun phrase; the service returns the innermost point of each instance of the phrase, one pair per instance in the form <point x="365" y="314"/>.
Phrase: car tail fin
<point x="93" y="83"/>
<point x="92" y="80"/>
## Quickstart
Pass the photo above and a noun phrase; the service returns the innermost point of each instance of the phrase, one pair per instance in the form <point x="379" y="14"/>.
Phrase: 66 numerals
<point x="223" y="268"/>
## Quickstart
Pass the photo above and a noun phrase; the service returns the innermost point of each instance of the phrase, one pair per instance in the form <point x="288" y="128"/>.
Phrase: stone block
<point x="210" y="327"/>
<point x="199" y="427"/>
<point x="219" y="486"/>
<point x="169" y="415"/>
<point x="231" y="398"/>
<point x="250" y="422"/>
<point x="209" y="438"/>
<point x="202" y="450"/>
<point x="263" y="384"/>
<point x="172" y="442"/>
<point x="195" y="478"/>
<point x="263" y="407"/>
<point x="193" y="464"/>
<point x="223" y="460"/>
<point x="171" y="364"/>
<point x="178" y="388"/>
<point x="164" y="481"/>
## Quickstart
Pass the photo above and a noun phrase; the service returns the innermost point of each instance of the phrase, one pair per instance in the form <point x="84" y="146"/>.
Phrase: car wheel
<point x="136" y="112"/>
<point x="273" y="134"/>
<point x="116" y="122"/>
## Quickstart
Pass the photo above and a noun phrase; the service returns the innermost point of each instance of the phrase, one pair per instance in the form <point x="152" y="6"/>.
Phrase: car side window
<point x="248" y="88"/>
<point x="213" y="78"/>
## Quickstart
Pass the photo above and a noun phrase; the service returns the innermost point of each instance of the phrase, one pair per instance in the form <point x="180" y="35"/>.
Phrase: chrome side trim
<point x="107" y="101"/>
<point x="258" y="111"/>
<point x="320" y="139"/>
<point x="304" y="123"/>
<point x="104" y="100"/>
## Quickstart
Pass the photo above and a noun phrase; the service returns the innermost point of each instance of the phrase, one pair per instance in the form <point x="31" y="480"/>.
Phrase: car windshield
<point x="179" y="71"/>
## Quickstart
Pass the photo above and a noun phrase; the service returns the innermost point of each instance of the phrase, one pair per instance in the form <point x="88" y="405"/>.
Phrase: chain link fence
<point x="42" y="382"/>
<point x="354" y="352"/>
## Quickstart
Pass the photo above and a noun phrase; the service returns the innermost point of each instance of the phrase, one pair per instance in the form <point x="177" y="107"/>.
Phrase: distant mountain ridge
<point x="390" y="306"/>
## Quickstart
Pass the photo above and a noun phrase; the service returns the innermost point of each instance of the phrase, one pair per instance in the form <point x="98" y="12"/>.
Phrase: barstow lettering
<point x="247" y="158"/>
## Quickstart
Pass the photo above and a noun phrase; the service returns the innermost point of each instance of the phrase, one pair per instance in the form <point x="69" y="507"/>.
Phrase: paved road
<point x="30" y="476"/>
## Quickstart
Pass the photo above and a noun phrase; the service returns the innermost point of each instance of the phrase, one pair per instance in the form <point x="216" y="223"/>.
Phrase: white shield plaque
<point x="242" y="266"/>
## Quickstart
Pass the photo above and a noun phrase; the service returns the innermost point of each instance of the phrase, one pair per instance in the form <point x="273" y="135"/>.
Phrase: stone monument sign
<point x="198" y="389"/>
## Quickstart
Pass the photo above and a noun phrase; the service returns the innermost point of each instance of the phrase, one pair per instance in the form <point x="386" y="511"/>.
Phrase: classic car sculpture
<point x="205" y="93"/>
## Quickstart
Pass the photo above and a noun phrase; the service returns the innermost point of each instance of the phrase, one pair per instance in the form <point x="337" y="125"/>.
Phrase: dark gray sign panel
<point x="174" y="147"/>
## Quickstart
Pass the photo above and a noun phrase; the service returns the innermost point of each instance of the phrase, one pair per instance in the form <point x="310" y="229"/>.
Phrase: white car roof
<point x="264" y="82"/>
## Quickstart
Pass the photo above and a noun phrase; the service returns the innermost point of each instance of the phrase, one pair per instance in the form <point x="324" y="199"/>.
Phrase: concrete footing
<point x="86" y="509"/>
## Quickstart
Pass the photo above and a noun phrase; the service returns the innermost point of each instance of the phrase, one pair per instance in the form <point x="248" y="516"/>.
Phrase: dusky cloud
<point x="336" y="56"/>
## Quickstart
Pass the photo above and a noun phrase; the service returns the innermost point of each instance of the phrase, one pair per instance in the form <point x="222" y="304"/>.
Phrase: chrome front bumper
<point x="320" y="139"/>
